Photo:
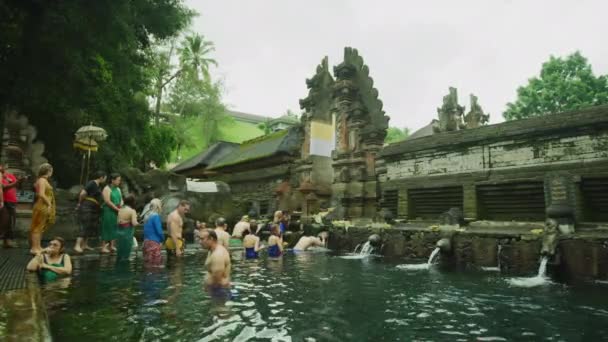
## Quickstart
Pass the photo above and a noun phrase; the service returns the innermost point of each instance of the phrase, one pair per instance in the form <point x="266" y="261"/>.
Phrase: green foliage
<point x="71" y="63"/>
<point x="564" y="84"/>
<point x="193" y="56"/>
<point x="395" y="134"/>
<point x="265" y="126"/>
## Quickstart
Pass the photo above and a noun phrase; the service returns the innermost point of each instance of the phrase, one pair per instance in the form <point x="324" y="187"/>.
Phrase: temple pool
<point x="316" y="297"/>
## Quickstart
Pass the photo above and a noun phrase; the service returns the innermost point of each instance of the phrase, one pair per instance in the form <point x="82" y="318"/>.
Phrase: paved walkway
<point x="12" y="268"/>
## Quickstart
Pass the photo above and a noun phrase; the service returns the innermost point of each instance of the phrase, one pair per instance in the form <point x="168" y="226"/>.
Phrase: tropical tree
<point x="68" y="63"/>
<point x="564" y="84"/>
<point x="194" y="54"/>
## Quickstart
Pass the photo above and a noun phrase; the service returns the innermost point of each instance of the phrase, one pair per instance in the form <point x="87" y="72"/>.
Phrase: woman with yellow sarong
<point x="43" y="213"/>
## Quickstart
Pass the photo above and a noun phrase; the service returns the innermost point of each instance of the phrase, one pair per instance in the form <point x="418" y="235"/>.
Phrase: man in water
<point x="306" y="242"/>
<point x="223" y="238"/>
<point x="175" y="224"/>
<point x="217" y="279"/>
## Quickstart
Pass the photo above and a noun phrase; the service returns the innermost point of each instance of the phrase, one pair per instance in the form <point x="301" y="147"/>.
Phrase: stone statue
<point x="450" y="113"/>
<point x="550" y="239"/>
<point x="475" y="117"/>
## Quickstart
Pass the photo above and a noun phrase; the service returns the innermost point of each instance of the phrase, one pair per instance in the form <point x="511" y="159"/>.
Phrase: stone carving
<point x="550" y="240"/>
<point x="450" y="114"/>
<point x="475" y="117"/>
<point x="454" y="216"/>
<point x="317" y="105"/>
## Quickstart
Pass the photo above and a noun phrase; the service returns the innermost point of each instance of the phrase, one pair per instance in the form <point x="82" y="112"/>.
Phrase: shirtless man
<point x="223" y="238"/>
<point x="175" y="224"/>
<point x="217" y="279"/>
<point x="306" y="242"/>
<point x="240" y="227"/>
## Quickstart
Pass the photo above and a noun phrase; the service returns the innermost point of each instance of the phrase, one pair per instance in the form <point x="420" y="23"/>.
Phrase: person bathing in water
<point x="175" y="224"/>
<point x="223" y="238"/>
<point x="251" y="244"/>
<point x="275" y="242"/>
<point x="217" y="279"/>
<point x="307" y="242"/>
<point x="52" y="262"/>
<point x="237" y="232"/>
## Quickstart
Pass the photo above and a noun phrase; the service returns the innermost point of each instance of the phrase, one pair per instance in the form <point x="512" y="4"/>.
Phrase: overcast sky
<point x="415" y="50"/>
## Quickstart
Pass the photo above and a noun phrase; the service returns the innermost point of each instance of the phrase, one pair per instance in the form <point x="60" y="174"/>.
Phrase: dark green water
<point x="316" y="297"/>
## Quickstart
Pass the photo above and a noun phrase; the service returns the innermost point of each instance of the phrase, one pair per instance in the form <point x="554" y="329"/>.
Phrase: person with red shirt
<point x="9" y="196"/>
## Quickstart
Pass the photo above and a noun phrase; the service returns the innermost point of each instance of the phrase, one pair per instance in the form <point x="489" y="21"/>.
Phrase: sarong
<point x="124" y="241"/>
<point x="88" y="216"/>
<point x="152" y="252"/>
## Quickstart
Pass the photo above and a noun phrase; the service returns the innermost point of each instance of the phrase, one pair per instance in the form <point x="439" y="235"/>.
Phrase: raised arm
<point x="34" y="264"/>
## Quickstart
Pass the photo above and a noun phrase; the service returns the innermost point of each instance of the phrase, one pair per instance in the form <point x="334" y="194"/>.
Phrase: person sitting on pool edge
<point x="52" y="262"/>
<point x="275" y="242"/>
<point x="251" y="244"/>
<point x="307" y="242"/>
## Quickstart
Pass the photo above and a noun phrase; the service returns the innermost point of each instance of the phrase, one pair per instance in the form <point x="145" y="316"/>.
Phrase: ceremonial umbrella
<point x="86" y="139"/>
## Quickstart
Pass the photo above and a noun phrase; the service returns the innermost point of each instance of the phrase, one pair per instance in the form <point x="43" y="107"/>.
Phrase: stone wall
<point x="577" y="257"/>
<point x="570" y="145"/>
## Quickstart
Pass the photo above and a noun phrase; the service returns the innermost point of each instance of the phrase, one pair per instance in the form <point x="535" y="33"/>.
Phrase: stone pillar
<point x="560" y="200"/>
<point x="469" y="193"/>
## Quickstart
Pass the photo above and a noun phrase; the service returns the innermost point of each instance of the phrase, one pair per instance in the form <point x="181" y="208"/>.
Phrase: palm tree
<point x="194" y="55"/>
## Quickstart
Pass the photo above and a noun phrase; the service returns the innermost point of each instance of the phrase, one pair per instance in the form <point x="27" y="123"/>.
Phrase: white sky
<point x="415" y="50"/>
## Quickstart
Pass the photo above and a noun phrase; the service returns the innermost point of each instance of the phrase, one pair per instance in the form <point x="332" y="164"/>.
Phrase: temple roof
<point x="207" y="157"/>
<point x="224" y="154"/>
<point x="574" y="121"/>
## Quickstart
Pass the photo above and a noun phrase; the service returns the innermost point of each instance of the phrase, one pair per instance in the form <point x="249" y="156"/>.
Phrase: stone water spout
<point x="445" y="245"/>
<point x="375" y="240"/>
<point x="550" y="237"/>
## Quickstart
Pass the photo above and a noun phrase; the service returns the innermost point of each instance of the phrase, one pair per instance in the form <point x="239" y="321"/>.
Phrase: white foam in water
<point x="353" y="256"/>
<point x="366" y="251"/>
<point x="539" y="279"/>
<point x="417" y="267"/>
<point x="413" y="267"/>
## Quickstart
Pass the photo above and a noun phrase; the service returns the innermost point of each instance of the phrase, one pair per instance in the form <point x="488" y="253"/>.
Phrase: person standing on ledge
<point x="112" y="201"/>
<point x="217" y="279"/>
<point x="43" y="213"/>
<point x="175" y="226"/>
<point x="88" y="208"/>
<point x="9" y="189"/>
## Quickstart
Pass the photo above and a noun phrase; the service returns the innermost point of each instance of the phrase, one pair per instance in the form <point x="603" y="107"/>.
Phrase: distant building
<point x="247" y="118"/>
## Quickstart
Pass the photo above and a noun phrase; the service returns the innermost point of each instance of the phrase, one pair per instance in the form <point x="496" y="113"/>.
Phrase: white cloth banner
<point x="195" y="186"/>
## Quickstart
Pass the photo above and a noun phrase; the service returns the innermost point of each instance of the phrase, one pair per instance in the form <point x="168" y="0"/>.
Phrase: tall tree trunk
<point x="159" y="95"/>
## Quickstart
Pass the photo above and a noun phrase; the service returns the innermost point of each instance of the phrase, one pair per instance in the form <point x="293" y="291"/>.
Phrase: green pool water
<point x="316" y="297"/>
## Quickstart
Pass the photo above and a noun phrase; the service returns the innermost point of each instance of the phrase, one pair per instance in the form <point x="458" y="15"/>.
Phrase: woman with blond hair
<point x="43" y="213"/>
<point x="153" y="233"/>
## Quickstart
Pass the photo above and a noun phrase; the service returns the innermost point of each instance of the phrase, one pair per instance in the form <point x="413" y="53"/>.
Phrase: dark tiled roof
<point x="207" y="157"/>
<point x="571" y="121"/>
<point x="285" y="142"/>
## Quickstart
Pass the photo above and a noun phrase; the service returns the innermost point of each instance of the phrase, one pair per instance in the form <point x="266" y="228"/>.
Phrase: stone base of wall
<point x="579" y="256"/>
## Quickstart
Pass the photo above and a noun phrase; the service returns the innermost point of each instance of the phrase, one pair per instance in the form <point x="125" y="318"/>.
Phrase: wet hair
<point x="114" y="175"/>
<point x="183" y="203"/>
<point x="220" y="222"/>
<point x="246" y="232"/>
<point x="130" y="200"/>
<point x="44" y="169"/>
<point x="211" y="233"/>
<point x="156" y="205"/>
<point x="99" y="174"/>
<point x="61" y="242"/>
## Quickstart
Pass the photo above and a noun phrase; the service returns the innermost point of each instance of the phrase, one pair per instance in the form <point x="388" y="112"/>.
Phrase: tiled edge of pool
<point x="23" y="315"/>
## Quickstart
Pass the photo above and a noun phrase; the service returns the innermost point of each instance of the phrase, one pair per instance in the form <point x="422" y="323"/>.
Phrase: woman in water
<point x="153" y="233"/>
<point x="251" y="244"/>
<point x="112" y="201"/>
<point x="275" y="242"/>
<point x="53" y="262"/>
<point x="43" y="213"/>
<point x="127" y="220"/>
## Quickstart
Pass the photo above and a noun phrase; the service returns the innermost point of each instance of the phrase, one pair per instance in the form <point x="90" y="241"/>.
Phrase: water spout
<point x="539" y="279"/>
<point x="498" y="266"/>
<point x="433" y="255"/>
<point x="367" y="249"/>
